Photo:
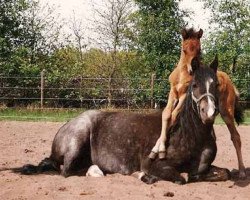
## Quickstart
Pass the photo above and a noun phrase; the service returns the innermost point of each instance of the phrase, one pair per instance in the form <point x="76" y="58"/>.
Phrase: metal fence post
<point x="152" y="90"/>
<point x="42" y="88"/>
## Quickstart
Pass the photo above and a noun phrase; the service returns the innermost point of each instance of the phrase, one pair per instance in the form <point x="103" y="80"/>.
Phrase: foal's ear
<point x="215" y="63"/>
<point x="195" y="63"/>
<point x="184" y="34"/>
<point x="200" y="33"/>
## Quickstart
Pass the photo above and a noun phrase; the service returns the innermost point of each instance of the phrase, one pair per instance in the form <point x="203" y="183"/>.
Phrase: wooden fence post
<point x="152" y="90"/>
<point x="42" y="88"/>
<point x="81" y="105"/>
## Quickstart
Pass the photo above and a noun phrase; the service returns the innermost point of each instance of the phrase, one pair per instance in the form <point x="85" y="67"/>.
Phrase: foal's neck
<point x="184" y="61"/>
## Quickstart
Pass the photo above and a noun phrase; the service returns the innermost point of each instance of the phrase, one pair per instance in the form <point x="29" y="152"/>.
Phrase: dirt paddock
<point x="29" y="142"/>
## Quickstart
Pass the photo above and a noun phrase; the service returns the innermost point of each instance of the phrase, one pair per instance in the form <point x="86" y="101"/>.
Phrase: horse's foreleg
<point x="235" y="137"/>
<point x="204" y="163"/>
<point x="213" y="174"/>
<point x="161" y="170"/>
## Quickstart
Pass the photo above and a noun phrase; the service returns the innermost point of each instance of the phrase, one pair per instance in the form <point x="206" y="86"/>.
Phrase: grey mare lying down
<point x="117" y="142"/>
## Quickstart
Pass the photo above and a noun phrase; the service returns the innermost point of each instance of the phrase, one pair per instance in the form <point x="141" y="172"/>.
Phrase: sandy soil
<point x="29" y="142"/>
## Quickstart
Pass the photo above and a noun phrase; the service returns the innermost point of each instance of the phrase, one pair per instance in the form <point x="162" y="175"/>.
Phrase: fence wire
<point x="88" y="92"/>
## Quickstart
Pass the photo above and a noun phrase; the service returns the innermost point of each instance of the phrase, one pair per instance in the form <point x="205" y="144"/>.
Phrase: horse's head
<point x="191" y="46"/>
<point x="204" y="90"/>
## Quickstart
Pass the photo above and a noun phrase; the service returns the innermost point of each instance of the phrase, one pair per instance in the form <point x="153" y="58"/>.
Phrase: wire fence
<point x="87" y="92"/>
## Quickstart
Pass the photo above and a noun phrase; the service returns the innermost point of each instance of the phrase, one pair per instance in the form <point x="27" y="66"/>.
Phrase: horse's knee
<point x="207" y="158"/>
<point x="166" y="114"/>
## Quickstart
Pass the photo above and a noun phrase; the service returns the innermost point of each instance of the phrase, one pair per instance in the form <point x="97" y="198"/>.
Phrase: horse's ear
<point x="215" y="63"/>
<point x="195" y="63"/>
<point x="184" y="34"/>
<point x="200" y="33"/>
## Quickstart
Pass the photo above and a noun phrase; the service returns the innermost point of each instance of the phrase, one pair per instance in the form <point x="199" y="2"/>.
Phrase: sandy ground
<point x="29" y="142"/>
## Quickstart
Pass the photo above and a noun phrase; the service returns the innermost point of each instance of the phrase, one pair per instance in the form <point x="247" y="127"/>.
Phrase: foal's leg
<point x="177" y="109"/>
<point x="227" y="113"/>
<point x="171" y="120"/>
<point x="166" y="120"/>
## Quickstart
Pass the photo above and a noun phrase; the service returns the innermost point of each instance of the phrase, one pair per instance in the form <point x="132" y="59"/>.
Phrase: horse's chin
<point x="208" y="121"/>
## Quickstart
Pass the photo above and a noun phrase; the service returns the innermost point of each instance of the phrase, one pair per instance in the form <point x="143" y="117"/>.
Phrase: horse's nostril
<point x="203" y="110"/>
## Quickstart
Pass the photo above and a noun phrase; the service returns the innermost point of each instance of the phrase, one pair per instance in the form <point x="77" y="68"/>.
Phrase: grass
<point x="61" y="115"/>
<point x="53" y="115"/>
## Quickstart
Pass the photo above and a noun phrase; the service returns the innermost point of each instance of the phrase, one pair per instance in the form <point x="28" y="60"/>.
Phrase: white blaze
<point x="211" y="106"/>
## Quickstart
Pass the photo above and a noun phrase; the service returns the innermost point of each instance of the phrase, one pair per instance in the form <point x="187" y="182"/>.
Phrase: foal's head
<point x="191" y="46"/>
<point x="204" y="90"/>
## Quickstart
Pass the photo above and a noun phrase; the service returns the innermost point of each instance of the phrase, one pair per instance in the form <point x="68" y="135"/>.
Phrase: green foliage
<point x="229" y="38"/>
<point x="158" y="24"/>
<point x="146" y="42"/>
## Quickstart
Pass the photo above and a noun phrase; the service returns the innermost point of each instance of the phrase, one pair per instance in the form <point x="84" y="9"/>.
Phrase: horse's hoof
<point x="181" y="181"/>
<point x="242" y="174"/>
<point x="162" y="154"/>
<point x="149" y="179"/>
<point x="152" y="155"/>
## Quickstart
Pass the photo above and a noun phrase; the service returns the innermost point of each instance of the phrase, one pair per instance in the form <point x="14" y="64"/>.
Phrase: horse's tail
<point x="238" y="109"/>
<point x="45" y="165"/>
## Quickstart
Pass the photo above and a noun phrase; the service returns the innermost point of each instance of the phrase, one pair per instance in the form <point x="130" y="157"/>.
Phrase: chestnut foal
<point x="179" y="80"/>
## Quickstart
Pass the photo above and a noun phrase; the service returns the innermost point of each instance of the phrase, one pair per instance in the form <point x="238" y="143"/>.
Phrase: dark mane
<point x="189" y="33"/>
<point x="188" y="119"/>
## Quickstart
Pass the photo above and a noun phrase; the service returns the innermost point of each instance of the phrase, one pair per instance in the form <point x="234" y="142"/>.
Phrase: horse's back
<point x="120" y="140"/>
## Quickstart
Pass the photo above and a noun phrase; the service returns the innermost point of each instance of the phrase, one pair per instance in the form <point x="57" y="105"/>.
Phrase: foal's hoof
<point x="152" y="155"/>
<point x="162" y="154"/>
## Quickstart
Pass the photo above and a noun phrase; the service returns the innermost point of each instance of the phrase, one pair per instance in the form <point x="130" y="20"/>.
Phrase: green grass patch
<point x="53" y="115"/>
<point x="219" y="120"/>
<point x="62" y="115"/>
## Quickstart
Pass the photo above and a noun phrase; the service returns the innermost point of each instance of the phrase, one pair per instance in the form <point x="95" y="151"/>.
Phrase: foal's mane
<point x="189" y="33"/>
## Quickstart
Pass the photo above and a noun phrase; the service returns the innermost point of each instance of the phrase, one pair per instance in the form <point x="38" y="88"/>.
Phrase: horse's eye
<point x="194" y="85"/>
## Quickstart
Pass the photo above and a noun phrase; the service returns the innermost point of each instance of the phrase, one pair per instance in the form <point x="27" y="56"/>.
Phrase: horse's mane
<point x="188" y="118"/>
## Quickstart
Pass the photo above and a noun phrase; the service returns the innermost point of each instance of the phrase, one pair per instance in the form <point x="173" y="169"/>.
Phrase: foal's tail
<point x="44" y="166"/>
<point x="238" y="110"/>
